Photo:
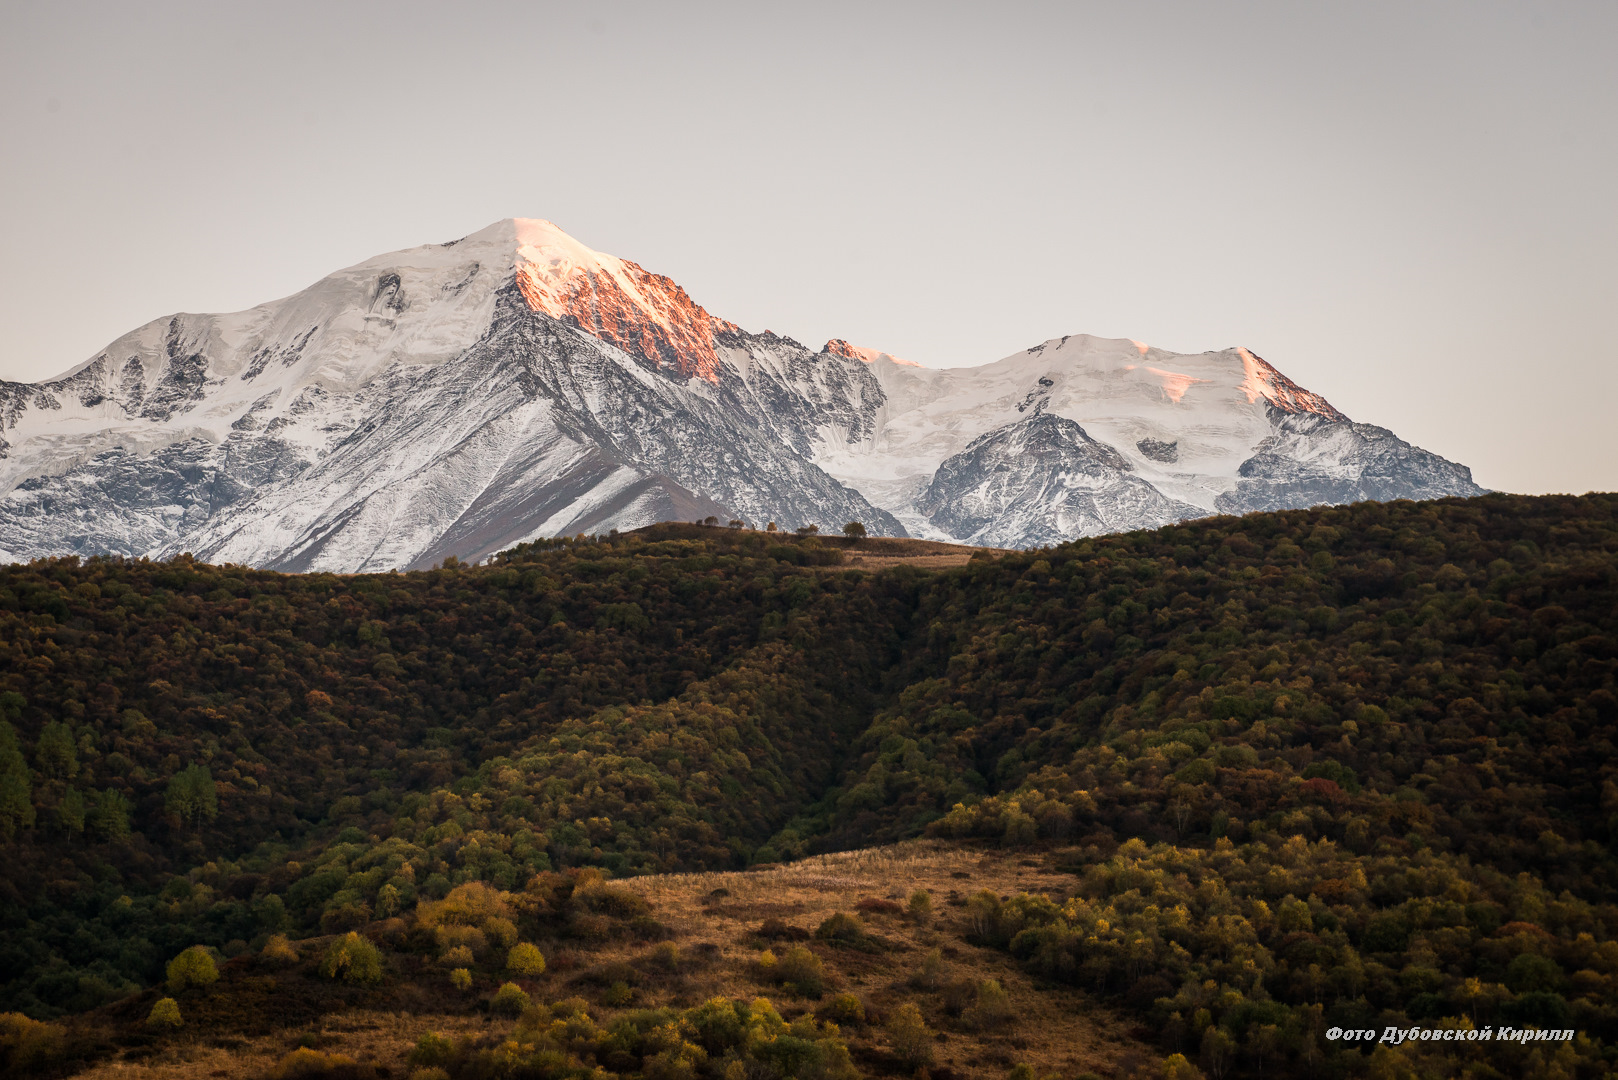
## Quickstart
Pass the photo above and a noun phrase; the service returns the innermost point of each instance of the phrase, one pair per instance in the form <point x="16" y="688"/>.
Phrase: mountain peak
<point x="1263" y="381"/>
<point x="517" y="383"/>
<point x="613" y="299"/>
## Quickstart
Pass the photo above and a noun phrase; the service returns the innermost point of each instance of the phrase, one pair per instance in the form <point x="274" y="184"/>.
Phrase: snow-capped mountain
<point x="462" y="397"/>
<point x="1040" y="481"/>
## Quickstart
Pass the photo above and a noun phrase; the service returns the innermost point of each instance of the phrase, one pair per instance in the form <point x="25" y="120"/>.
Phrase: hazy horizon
<point x="1405" y="208"/>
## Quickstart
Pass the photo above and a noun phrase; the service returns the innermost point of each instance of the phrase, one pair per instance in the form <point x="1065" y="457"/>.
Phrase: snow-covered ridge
<point x="839" y="347"/>
<point x="615" y="300"/>
<point x="459" y="398"/>
<point x="1263" y="381"/>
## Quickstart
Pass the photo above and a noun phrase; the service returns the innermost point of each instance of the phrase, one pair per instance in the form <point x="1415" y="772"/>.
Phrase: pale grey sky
<point x="1407" y="207"/>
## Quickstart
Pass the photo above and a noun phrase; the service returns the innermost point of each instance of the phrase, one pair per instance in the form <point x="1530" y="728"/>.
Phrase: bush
<point x="958" y="996"/>
<point x="912" y="1043"/>
<point x="930" y="975"/>
<point x="618" y="994"/>
<point x="992" y="1008"/>
<point x="841" y="928"/>
<point x="843" y="1009"/>
<point x="165" y="1014"/>
<point x="881" y="907"/>
<point x="921" y="905"/>
<point x="306" y="1063"/>
<point x="1175" y="1067"/>
<point x="352" y="959"/>
<point x="718" y="1024"/>
<point x="453" y="937"/>
<point x="278" y="950"/>
<point x="502" y="932"/>
<point x="193" y="967"/>
<point x="459" y="956"/>
<point x="432" y="1050"/>
<point x="471" y="904"/>
<point x="802" y="972"/>
<point x="568" y="1008"/>
<point x="777" y="930"/>
<point x="28" y="1044"/>
<point x="611" y="900"/>
<point x="509" y="1000"/>
<point x="525" y="959"/>
<point x="461" y="979"/>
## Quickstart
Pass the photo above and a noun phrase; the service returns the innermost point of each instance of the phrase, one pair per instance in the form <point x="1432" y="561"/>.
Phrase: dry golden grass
<point x="881" y="552"/>
<point x="1058" y="1029"/>
<point x="865" y="553"/>
<point x="378" y="1038"/>
<point x="714" y="919"/>
<point x="926" y="562"/>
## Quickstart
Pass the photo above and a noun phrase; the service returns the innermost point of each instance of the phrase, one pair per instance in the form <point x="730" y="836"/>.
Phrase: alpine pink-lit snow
<point x="460" y="398"/>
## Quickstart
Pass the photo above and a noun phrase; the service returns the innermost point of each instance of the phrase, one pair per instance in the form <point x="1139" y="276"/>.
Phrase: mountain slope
<point x="1249" y="779"/>
<point x="459" y="398"/>
<point x="1040" y="482"/>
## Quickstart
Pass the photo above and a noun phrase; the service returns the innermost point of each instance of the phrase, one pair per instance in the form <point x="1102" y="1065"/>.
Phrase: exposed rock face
<point x="1309" y="461"/>
<point x="1039" y="482"/>
<point x="1158" y="450"/>
<point x="460" y="398"/>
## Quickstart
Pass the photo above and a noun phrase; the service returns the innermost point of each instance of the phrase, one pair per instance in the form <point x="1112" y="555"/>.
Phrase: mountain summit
<point x="460" y="398"/>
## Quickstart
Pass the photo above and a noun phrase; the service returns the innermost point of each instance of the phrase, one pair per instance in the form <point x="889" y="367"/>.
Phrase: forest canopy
<point x="1342" y="766"/>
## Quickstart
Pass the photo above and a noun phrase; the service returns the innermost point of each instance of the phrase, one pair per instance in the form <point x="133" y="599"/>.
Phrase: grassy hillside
<point x="1337" y="768"/>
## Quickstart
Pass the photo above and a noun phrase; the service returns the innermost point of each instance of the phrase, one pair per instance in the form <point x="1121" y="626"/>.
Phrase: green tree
<point x="525" y="959"/>
<point x="70" y="812"/>
<point x="1530" y="971"/>
<point x="109" y="814"/>
<point x="387" y="901"/>
<point x="1218" y="1052"/>
<point x="352" y="959"/>
<point x="193" y="967"/>
<point x="165" y="1014"/>
<point x="55" y="753"/>
<point x="16" y="790"/>
<point x="908" y="1035"/>
<point x="191" y="795"/>
<point x="992" y="1008"/>
<point x="1176" y="1067"/>
<point x="509" y="1000"/>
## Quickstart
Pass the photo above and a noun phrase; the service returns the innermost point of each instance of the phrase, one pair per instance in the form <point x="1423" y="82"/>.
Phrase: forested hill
<point x="1373" y="739"/>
